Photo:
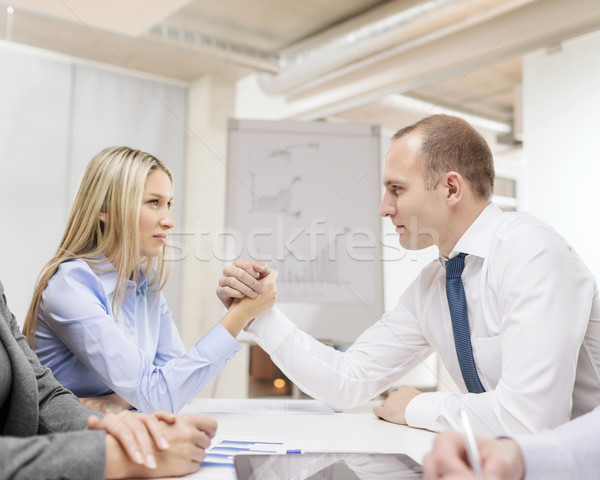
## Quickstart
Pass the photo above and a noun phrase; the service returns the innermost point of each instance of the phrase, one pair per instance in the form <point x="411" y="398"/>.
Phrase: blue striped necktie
<point x="457" y="302"/>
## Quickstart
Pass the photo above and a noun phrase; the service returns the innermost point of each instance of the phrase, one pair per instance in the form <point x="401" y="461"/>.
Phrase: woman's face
<point x="155" y="216"/>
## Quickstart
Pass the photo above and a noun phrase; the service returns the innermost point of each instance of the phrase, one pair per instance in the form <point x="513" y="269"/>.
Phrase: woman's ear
<point x="102" y="217"/>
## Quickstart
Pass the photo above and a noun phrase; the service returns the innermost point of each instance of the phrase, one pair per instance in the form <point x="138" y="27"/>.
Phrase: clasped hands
<point x="160" y="441"/>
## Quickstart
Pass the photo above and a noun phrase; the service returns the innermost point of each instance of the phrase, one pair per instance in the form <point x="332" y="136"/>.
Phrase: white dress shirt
<point x="569" y="452"/>
<point x="534" y="317"/>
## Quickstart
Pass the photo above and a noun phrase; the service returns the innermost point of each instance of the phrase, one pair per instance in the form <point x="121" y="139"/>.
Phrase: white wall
<point x="34" y="112"/>
<point x="561" y="128"/>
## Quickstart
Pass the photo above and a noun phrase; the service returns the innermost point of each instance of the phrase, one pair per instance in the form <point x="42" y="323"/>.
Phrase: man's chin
<point x="408" y="245"/>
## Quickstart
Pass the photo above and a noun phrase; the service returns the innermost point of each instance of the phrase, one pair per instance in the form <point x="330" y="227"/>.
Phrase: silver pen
<point x="471" y="444"/>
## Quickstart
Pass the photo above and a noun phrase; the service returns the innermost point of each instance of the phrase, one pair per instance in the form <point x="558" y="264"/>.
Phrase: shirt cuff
<point x="217" y="346"/>
<point x="422" y="410"/>
<point x="271" y="329"/>
<point x="537" y="450"/>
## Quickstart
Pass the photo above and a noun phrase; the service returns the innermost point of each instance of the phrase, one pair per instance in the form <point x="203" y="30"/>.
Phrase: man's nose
<point x="386" y="208"/>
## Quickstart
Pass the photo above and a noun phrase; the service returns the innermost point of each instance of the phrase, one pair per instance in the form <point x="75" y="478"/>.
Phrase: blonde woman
<point x="98" y="318"/>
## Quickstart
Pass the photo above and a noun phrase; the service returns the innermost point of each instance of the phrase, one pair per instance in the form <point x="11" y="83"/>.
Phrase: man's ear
<point x="455" y="185"/>
<point x="102" y="217"/>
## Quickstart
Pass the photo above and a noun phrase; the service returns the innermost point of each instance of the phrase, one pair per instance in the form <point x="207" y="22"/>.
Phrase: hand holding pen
<point x="500" y="459"/>
<point x="470" y="444"/>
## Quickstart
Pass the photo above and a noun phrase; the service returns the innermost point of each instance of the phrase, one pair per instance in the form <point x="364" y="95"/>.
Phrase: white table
<point x="357" y="430"/>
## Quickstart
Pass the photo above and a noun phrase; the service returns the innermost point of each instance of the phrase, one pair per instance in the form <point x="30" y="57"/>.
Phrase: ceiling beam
<point x="132" y="17"/>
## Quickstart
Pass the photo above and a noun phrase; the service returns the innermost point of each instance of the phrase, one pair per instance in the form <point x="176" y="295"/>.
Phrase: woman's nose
<point x="167" y="221"/>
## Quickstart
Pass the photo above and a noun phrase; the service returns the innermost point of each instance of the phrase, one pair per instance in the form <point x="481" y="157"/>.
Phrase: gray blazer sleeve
<point x="69" y="455"/>
<point x="59" y="409"/>
<point x="42" y="425"/>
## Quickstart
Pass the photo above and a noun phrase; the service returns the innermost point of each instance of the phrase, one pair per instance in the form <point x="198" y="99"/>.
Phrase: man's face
<point x="417" y="213"/>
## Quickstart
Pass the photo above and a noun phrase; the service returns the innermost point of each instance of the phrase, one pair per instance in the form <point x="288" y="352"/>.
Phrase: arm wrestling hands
<point x="246" y="289"/>
<point x="242" y="309"/>
<point x="241" y="279"/>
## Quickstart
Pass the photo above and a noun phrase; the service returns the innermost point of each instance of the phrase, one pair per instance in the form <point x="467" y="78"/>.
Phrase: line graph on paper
<point x="280" y="202"/>
<point x="262" y="164"/>
<point x="268" y="157"/>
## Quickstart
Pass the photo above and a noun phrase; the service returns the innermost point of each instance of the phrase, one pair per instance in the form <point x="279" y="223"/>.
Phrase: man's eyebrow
<point x="392" y="181"/>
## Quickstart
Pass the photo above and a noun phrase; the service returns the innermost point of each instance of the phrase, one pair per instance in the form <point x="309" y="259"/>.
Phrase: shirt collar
<point x="107" y="275"/>
<point x="479" y="236"/>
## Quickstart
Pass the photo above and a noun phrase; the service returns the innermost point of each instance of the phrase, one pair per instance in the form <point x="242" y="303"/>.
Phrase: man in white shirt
<point x="531" y="349"/>
<point x="567" y="452"/>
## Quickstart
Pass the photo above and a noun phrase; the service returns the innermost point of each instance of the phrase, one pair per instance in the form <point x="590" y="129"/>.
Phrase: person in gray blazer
<point x="45" y="432"/>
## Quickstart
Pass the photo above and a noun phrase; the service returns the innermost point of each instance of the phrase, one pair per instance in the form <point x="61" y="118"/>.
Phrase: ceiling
<point x="352" y="60"/>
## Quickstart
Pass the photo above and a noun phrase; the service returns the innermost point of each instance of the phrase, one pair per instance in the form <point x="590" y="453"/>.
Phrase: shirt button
<point x="131" y="330"/>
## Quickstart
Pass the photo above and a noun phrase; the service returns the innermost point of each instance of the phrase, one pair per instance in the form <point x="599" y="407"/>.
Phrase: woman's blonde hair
<point x="112" y="187"/>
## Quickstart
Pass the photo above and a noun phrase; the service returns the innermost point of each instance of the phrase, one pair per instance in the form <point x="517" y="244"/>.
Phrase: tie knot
<point x="454" y="266"/>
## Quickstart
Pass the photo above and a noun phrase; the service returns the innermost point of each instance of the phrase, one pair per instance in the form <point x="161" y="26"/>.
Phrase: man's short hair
<point x="450" y="144"/>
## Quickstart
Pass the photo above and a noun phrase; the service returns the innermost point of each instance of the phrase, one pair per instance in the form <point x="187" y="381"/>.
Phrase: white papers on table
<point x="255" y="405"/>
